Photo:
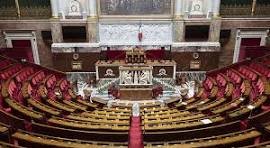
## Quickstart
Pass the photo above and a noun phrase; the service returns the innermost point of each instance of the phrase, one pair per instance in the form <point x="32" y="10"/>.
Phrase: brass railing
<point x="235" y="10"/>
<point x="262" y="10"/>
<point x="8" y="13"/>
<point x="35" y="12"/>
<point x="250" y="10"/>
<point x="21" y="9"/>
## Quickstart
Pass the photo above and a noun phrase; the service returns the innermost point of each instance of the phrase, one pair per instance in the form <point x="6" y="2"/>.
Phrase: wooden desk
<point x="136" y="93"/>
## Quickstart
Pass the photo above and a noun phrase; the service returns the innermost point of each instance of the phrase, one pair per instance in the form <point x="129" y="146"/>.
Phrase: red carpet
<point x="135" y="133"/>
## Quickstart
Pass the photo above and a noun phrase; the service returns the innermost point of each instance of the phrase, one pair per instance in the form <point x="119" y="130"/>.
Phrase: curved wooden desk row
<point x="3" y="129"/>
<point x="248" y="108"/>
<point x="99" y="120"/>
<point x="184" y="124"/>
<point x="106" y="115"/>
<point x="165" y="114"/>
<point x="161" y="119"/>
<point x="61" y="106"/>
<point x="37" y="115"/>
<point x="228" y="106"/>
<point x="44" y="108"/>
<point x="42" y="140"/>
<point x="24" y="110"/>
<point x="211" y="104"/>
<point x="221" y="140"/>
<point x="87" y="125"/>
<point x="233" y="104"/>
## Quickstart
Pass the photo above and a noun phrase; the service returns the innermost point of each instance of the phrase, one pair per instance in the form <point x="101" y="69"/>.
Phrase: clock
<point x="196" y="7"/>
<point x="74" y="8"/>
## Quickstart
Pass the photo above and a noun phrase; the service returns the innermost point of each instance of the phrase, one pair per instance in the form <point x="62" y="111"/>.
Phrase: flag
<point x="140" y="34"/>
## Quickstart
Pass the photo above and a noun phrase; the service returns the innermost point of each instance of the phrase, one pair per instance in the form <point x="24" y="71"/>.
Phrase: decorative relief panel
<point x="127" y="34"/>
<point x="135" y="7"/>
<point x="73" y="8"/>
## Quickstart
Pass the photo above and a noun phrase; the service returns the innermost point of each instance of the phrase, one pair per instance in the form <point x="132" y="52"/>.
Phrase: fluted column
<point x="178" y="8"/>
<point x="216" y="7"/>
<point x="214" y="31"/>
<point x="92" y="22"/>
<point x="54" y="6"/>
<point x="92" y="8"/>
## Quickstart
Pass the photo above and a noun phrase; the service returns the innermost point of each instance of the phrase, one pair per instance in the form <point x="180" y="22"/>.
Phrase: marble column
<point x="216" y="7"/>
<point x="92" y="4"/>
<point x="54" y="5"/>
<point x="92" y="30"/>
<point x="214" y="31"/>
<point x="178" y="9"/>
<point x="56" y="29"/>
<point x="178" y="31"/>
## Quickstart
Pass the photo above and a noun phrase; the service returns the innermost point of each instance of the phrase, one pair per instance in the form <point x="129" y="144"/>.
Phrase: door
<point x="22" y="50"/>
<point x="247" y="42"/>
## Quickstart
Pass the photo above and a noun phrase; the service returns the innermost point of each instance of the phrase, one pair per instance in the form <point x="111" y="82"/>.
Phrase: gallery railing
<point x="245" y="8"/>
<point x="25" y="9"/>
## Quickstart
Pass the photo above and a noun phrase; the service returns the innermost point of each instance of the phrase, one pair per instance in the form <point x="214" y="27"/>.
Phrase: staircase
<point x="135" y="133"/>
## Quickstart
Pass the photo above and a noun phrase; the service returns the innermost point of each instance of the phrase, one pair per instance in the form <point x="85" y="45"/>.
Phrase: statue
<point x="87" y="94"/>
<point x="135" y="110"/>
<point x="127" y="77"/>
<point x="144" y="77"/>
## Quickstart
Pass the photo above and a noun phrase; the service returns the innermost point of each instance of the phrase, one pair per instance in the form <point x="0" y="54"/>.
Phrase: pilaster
<point x="92" y="30"/>
<point x="214" y="30"/>
<point x="56" y="29"/>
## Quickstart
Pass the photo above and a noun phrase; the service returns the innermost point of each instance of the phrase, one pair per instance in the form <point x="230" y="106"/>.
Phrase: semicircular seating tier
<point x="38" y="108"/>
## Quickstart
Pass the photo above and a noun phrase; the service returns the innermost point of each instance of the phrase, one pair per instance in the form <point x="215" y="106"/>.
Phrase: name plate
<point x="195" y="64"/>
<point x="76" y="65"/>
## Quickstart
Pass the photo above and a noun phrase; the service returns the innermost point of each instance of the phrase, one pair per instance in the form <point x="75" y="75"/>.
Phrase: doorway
<point x="251" y="37"/>
<point x="247" y="42"/>
<point x="22" y="46"/>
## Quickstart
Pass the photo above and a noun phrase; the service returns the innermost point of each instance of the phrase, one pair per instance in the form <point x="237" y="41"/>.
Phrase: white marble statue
<point x="136" y="77"/>
<point x="136" y="110"/>
<point x="144" y="77"/>
<point x="127" y="77"/>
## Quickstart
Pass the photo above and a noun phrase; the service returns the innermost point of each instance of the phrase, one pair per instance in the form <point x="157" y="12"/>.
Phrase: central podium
<point x="136" y="77"/>
<point x="135" y="73"/>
